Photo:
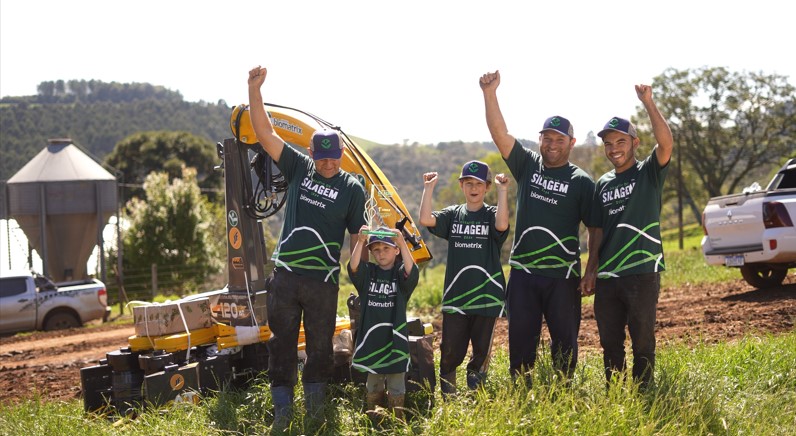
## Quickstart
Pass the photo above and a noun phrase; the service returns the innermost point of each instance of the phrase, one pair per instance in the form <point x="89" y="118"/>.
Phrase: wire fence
<point x="167" y="280"/>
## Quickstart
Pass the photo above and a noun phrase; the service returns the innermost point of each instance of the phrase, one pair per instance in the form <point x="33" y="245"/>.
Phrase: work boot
<point x="314" y="399"/>
<point x="375" y="407"/>
<point x="475" y="380"/>
<point x="375" y="399"/>
<point x="282" y="397"/>
<point x="447" y="384"/>
<point x="397" y="406"/>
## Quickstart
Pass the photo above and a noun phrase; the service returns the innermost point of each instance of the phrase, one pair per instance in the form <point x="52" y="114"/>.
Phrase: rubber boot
<point x="314" y="399"/>
<point x="375" y="410"/>
<point x="475" y="380"/>
<point x="282" y="397"/>
<point x="397" y="406"/>
<point x="375" y="399"/>
<point x="447" y="384"/>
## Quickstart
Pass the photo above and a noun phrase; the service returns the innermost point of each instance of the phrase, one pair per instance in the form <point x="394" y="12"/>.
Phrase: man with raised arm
<point x="322" y="202"/>
<point x="627" y="209"/>
<point x="553" y="197"/>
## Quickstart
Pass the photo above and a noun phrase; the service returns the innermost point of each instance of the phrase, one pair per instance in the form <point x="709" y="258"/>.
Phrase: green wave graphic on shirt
<point x="539" y="261"/>
<point x="449" y="305"/>
<point x="384" y="356"/>
<point x="639" y="257"/>
<point x="312" y="262"/>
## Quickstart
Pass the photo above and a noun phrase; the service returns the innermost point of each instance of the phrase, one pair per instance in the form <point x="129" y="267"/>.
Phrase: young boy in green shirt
<point x="384" y="287"/>
<point x="474" y="284"/>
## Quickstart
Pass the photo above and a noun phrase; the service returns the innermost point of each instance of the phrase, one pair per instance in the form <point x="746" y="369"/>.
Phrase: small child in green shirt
<point x="384" y="287"/>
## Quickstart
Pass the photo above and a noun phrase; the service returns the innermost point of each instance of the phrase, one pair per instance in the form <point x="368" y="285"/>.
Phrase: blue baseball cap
<point x="326" y="145"/>
<point x="558" y="124"/>
<point x="477" y="170"/>
<point x="620" y="125"/>
<point x="372" y="239"/>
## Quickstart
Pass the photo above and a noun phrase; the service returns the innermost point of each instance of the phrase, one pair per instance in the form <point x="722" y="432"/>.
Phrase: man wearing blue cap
<point x="627" y="209"/>
<point x="322" y="202"/>
<point x="554" y="196"/>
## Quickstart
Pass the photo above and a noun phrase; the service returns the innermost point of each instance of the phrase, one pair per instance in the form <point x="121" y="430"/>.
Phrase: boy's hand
<point x="430" y="179"/>
<point x="502" y="182"/>
<point x="396" y="236"/>
<point x="361" y="236"/>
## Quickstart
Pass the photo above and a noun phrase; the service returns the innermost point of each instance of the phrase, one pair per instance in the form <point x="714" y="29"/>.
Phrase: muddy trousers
<point x="289" y="296"/>
<point x="458" y="332"/>
<point x="630" y="301"/>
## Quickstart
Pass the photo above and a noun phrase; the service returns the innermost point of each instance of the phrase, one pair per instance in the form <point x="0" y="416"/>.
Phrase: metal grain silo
<point x="62" y="200"/>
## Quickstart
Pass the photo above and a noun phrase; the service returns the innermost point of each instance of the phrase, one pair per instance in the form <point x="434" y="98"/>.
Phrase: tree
<point x="177" y="229"/>
<point x="139" y="154"/>
<point x="730" y="128"/>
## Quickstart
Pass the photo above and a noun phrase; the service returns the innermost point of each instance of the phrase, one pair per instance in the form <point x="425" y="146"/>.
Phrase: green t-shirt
<point x="551" y="204"/>
<point x="628" y="208"/>
<point x="474" y="282"/>
<point x="317" y="213"/>
<point x="382" y="339"/>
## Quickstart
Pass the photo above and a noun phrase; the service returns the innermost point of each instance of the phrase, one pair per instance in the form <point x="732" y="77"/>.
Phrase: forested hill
<point x="97" y="115"/>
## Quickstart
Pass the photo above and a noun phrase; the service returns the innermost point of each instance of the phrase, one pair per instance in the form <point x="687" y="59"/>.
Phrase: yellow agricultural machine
<point x="203" y="343"/>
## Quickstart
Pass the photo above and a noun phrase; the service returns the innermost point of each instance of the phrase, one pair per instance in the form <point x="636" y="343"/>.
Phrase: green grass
<point x="748" y="387"/>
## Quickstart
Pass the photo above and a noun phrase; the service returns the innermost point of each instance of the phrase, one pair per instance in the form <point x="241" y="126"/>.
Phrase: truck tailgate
<point x="735" y="223"/>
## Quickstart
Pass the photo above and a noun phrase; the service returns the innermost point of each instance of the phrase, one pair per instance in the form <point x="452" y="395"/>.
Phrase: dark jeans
<point x="289" y="295"/>
<point x="458" y="331"/>
<point x="530" y="298"/>
<point x="630" y="301"/>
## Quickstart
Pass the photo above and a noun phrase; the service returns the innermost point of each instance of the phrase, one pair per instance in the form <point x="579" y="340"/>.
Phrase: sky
<point x="396" y="72"/>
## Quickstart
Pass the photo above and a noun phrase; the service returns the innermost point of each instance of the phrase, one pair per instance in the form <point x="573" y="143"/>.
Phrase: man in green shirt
<point x="474" y="284"/>
<point x="553" y="197"/>
<point x="627" y="210"/>
<point x="322" y="202"/>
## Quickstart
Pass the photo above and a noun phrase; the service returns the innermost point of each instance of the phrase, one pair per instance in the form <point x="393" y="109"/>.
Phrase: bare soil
<point x="47" y="364"/>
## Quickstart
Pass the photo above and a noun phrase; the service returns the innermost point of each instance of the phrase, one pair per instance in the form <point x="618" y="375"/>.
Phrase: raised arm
<point x="266" y="136"/>
<point x="660" y="128"/>
<point x="502" y="216"/>
<point x="406" y="254"/>
<point x="358" y="249"/>
<point x="489" y="83"/>
<point x="426" y="217"/>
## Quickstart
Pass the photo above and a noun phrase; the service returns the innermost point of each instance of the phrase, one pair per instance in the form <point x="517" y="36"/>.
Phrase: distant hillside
<point x="97" y="115"/>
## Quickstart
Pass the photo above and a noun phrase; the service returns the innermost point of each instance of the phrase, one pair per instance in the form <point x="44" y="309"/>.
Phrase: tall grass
<point x="748" y="387"/>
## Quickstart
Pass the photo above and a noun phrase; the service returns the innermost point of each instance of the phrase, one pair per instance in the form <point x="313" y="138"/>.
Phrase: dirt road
<point x="48" y="363"/>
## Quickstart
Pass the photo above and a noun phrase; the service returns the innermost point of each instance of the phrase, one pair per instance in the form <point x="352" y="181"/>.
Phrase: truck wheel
<point x="763" y="276"/>
<point x="60" y="321"/>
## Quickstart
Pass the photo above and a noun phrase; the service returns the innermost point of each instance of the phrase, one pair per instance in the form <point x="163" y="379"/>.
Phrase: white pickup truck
<point x="29" y="301"/>
<point x="754" y="231"/>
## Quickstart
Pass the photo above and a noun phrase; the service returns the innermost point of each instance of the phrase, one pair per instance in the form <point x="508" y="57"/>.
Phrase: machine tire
<point x="761" y="275"/>
<point x="60" y="321"/>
